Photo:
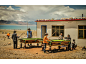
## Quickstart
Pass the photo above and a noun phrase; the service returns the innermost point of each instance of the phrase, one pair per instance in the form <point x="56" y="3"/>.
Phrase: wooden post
<point x="25" y="45"/>
<point x="27" y="24"/>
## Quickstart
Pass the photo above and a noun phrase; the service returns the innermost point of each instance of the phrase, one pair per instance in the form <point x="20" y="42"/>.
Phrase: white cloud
<point x="11" y="15"/>
<point x="51" y="11"/>
<point x="33" y="12"/>
<point x="10" y="8"/>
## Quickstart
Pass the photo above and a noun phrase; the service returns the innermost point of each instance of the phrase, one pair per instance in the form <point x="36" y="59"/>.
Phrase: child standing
<point x="73" y="44"/>
<point x="8" y="34"/>
<point x="45" y="39"/>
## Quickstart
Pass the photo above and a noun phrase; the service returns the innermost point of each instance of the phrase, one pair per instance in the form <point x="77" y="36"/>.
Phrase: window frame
<point x="58" y="29"/>
<point x="83" y="31"/>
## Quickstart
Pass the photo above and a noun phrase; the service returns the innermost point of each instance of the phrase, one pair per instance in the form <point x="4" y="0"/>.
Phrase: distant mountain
<point x="17" y="22"/>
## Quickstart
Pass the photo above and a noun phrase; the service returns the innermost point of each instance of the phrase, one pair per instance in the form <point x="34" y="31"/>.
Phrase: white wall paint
<point x="70" y="27"/>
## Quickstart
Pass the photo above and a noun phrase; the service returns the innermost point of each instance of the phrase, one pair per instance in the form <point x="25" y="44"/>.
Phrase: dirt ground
<point x="34" y="52"/>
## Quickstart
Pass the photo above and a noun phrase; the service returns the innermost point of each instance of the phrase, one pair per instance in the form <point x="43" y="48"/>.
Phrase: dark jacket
<point x="68" y="38"/>
<point x="14" y="37"/>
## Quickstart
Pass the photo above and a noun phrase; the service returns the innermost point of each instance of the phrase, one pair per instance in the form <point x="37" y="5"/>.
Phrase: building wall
<point x="70" y="27"/>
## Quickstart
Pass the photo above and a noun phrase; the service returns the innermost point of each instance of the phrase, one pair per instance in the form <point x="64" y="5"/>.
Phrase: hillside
<point x="4" y="22"/>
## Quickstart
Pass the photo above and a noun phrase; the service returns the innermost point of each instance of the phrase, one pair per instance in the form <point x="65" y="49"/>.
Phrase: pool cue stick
<point x="27" y="27"/>
<point x="22" y="33"/>
<point x="53" y="33"/>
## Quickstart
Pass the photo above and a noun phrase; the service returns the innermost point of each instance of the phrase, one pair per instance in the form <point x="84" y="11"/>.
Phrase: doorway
<point x="43" y="30"/>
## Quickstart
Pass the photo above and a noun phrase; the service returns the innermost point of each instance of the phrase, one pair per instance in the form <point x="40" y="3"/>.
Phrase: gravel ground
<point x="7" y="52"/>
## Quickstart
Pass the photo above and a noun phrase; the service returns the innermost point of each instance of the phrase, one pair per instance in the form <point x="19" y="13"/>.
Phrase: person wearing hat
<point x="14" y="37"/>
<point x="29" y="34"/>
<point x="45" y="39"/>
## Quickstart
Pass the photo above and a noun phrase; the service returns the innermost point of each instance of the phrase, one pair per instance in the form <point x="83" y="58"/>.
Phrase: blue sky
<point x="34" y="12"/>
<point x="13" y="6"/>
<point x="77" y="6"/>
<point x="71" y="6"/>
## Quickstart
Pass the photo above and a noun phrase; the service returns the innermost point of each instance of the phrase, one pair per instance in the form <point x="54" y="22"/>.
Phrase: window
<point x="82" y="31"/>
<point x="56" y="30"/>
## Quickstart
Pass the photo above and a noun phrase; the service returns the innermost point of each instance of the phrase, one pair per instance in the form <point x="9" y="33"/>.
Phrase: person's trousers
<point x="69" y="47"/>
<point x="30" y="43"/>
<point x="8" y="37"/>
<point x="44" y="47"/>
<point x="73" y="46"/>
<point x="15" y="44"/>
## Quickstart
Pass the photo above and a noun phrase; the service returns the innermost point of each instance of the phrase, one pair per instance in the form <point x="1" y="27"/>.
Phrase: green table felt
<point x="30" y="38"/>
<point x="58" y="40"/>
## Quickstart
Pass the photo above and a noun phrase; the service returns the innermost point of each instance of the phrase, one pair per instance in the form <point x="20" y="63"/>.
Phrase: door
<point x="43" y="30"/>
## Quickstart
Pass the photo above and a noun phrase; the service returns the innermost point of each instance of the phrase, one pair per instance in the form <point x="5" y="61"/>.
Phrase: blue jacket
<point x="30" y="34"/>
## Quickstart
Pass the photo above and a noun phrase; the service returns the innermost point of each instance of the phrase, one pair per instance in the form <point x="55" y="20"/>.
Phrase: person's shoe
<point x="44" y="52"/>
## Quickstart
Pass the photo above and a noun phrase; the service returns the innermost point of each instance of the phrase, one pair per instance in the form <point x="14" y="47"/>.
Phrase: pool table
<point x="59" y="43"/>
<point x="30" y="40"/>
<point x="50" y="43"/>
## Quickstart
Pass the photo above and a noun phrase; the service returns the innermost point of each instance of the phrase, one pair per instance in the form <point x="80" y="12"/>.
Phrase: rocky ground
<point x="34" y="52"/>
<point x="7" y="52"/>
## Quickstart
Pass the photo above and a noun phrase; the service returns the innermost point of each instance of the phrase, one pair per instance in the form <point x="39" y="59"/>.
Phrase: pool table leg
<point x="66" y="48"/>
<point x="59" y="47"/>
<point x="30" y="44"/>
<point x="25" y="45"/>
<point x="50" y="48"/>
<point x="21" y="45"/>
<point x="37" y="44"/>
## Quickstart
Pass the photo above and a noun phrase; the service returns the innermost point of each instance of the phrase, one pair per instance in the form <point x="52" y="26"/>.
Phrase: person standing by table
<point x="8" y="34"/>
<point x="14" y="37"/>
<point x="73" y="44"/>
<point x="29" y="34"/>
<point x="45" y="39"/>
<point x="61" y="37"/>
<point x="69" y="38"/>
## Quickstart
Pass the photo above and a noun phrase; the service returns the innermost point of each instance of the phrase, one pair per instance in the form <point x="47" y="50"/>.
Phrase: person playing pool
<point x="14" y="37"/>
<point x="45" y="39"/>
<point x="61" y="37"/>
<point x="29" y="34"/>
<point x="69" y="38"/>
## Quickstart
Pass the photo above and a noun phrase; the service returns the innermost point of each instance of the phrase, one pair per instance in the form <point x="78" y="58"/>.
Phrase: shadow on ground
<point x="30" y="47"/>
<point x="57" y="50"/>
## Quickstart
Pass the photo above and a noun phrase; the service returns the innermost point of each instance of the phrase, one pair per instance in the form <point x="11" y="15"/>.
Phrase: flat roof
<point x="59" y="20"/>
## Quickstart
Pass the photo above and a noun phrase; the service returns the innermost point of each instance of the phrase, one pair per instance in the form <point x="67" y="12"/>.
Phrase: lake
<point x="18" y="27"/>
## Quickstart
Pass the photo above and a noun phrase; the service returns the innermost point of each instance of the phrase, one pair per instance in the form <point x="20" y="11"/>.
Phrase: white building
<point x="76" y="28"/>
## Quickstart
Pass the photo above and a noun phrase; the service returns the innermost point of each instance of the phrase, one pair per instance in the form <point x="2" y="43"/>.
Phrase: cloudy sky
<point x="34" y="12"/>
